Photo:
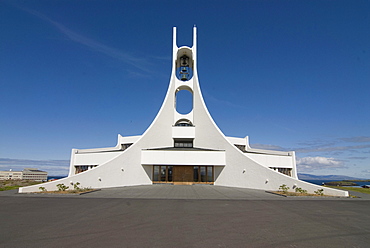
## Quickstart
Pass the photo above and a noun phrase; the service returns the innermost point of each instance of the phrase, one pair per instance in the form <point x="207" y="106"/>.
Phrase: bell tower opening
<point x="184" y="69"/>
<point x="184" y="64"/>
<point x="184" y="101"/>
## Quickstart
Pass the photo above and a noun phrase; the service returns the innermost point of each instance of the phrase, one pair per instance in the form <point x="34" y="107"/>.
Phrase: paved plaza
<point x="182" y="216"/>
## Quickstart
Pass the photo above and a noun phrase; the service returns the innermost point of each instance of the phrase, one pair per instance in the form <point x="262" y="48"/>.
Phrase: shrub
<point x="76" y="186"/>
<point x="284" y="188"/>
<point x="300" y="190"/>
<point x="319" y="192"/>
<point x="62" y="187"/>
<point x="42" y="188"/>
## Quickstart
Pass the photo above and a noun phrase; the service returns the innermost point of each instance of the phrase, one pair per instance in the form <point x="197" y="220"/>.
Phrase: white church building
<point x="183" y="148"/>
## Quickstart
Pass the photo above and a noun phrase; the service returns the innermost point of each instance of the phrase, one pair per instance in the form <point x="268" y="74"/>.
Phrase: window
<point x="209" y="173"/>
<point x="241" y="147"/>
<point x="184" y="123"/>
<point x="125" y="146"/>
<point x="156" y="173"/>
<point x="285" y="171"/>
<point x="162" y="174"/>
<point x="204" y="174"/>
<point x="196" y="173"/>
<point x="184" y="144"/>
<point x="82" y="168"/>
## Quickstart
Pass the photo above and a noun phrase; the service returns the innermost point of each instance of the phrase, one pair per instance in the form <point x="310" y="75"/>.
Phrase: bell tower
<point x="183" y="73"/>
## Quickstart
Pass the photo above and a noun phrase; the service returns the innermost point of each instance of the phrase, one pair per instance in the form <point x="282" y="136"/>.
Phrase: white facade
<point x="11" y="175"/>
<point x="183" y="148"/>
<point x="26" y="174"/>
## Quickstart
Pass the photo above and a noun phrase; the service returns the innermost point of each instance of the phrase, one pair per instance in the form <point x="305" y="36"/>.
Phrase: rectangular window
<point x="209" y="173"/>
<point x="169" y="173"/>
<point x="196" y="173"/>
<point x="183" y="143"/>
<point x="203" y="175"/>
<point x="163" y="173"/>
<point x="155" y="173"/>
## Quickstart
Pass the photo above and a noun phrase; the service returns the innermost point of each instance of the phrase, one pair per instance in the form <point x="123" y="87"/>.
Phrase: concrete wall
<point x="149" y="157"/>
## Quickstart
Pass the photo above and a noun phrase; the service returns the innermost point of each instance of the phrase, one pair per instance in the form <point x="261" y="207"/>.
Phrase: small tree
<point x="284" y="188"/>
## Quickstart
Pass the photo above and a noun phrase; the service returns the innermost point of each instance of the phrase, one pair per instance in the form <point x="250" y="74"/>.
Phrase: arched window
<point x="183" y="123"/>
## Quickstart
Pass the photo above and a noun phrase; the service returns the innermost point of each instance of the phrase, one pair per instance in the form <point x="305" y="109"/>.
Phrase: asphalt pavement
<point x="182" y="216"/>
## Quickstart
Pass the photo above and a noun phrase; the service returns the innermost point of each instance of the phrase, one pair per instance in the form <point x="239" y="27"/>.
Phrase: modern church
<point x="183" y="149"/>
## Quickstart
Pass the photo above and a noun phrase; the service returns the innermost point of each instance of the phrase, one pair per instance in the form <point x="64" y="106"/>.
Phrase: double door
<point x="183" y="174"/>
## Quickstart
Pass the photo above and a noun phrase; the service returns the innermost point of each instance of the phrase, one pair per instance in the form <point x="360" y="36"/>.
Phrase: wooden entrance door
<point x="183" y="175"/>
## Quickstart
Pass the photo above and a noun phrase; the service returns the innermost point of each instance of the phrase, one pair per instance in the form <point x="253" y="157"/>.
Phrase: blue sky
<point x="292" y="75"/>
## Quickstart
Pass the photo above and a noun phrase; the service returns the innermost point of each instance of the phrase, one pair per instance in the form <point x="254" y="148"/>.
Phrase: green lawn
<point x="361" y="190"/>
<point x="15" y="184"/>
<point x="8" y="188"/>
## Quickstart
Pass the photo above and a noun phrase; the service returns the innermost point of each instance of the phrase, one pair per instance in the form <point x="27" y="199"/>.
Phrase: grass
<point x="361" y="190"/>
<point x="15" y="184"/>
<point x="341" y="183"/>
<point x="366" y="180"/>
<point x="3" y="188"/>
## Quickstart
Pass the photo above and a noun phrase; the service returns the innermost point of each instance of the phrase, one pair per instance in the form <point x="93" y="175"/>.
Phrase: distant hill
<point x="325" y="177"/>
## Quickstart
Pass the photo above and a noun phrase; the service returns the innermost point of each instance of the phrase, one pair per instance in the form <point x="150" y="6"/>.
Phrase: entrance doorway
<point x="183" y="174"/>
